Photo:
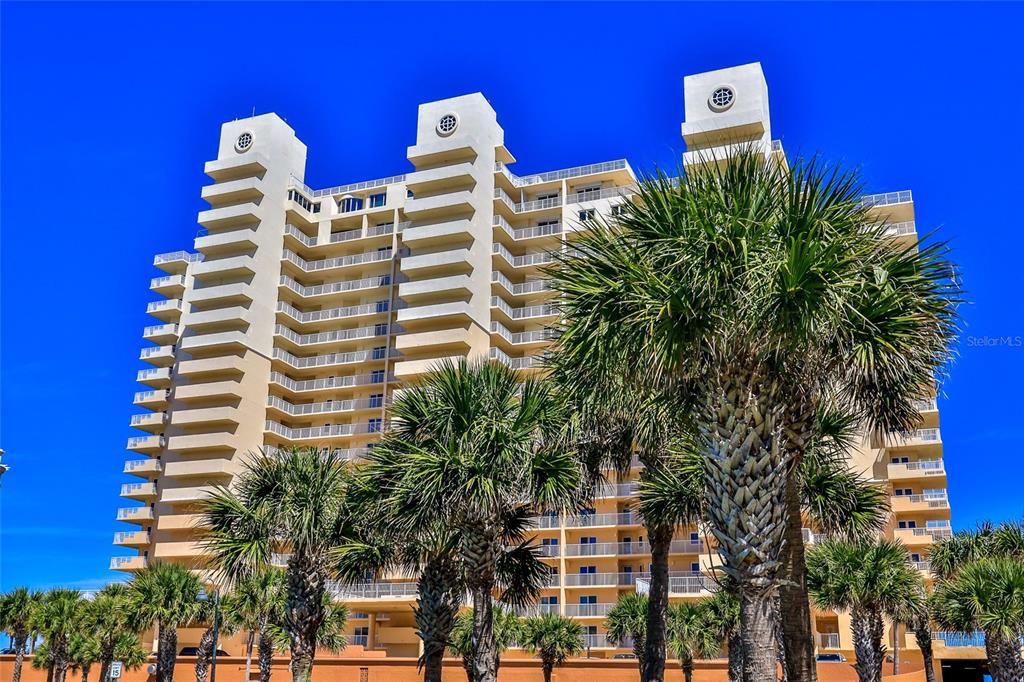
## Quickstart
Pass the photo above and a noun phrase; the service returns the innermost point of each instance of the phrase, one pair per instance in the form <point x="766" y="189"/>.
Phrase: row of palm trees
<point x="731" y="328"/>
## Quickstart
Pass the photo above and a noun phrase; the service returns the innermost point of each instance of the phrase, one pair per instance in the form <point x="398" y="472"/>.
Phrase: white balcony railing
<point x="373" y="590"/>
<point x="312" y="432"/>
<point x="327" y="383"/>
<point x="886" y="198"/>
<point x="328" y="407"/>
<point x="339" y="262"/>
<point x="526" y="260"/>
<point x="334" y="336"/>
<point x="525" y="312"/>
<point x="335" y="287"/>
<point x="526" y="362"/>
<point x="177" y="256"/>
<point x="587" y="610"/>
<point x="332" y="313"/>
<point x="564" y="174"/>
<point x="343" y="189"/>
<point x="528" y="232"/>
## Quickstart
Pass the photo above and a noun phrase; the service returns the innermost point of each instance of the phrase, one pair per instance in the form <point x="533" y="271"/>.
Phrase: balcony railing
<point x="886" y="198"/>
<point x="526" y="362"/>
<point x="343" y="189"/>
<point x="541" y="258"/>
<point x="177" y="256"/>
<point x="525" y="206"/>
<point x="129" y="489"/>
<point x="334" y="336"/>
<point x="588" y="610"/>
<point x="339" y="262"/>
<point x="332" y="313"/>
<point x="373" y="231"/>
<point x="564" y="174"/>
<point x="596" y="194"/>
<point x="525" y="312"/>
<point x="139" y="536"/>
<point x="527" y="232"/>
<point x="332" y="431"/>
<point x="340" y="453"/>
<point x="335" y="287"/>
<point x="535" y="610"/>
<point x="327" y="407"/>
<point x="935" y="533"/>
<point x="535" y="336"/>
<point x="330" y="358"/>
<point x="136" y="464"/>
<point x="531" y="287"/>
<point x="328" y="383"/>
<point x="617" y="489"/>
<point x="167" y="281"/>
<point x="373" y="590"/>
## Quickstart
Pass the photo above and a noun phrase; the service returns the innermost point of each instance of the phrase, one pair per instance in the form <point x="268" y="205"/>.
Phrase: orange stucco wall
<point x="404" y="670"/>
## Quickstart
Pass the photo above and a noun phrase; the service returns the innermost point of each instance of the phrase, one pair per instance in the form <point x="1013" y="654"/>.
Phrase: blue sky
<point x="109" y="111"/>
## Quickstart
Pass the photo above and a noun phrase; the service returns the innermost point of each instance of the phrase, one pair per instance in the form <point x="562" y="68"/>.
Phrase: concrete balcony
<point x="233" y="341"/>
<point x="153" y="422"/>
<point x="223" y="294"/>
<point x="136" y="538"/>
<point x="326" y="265"/>
<point x="437" y="234"/>
<point x="545" y="311"/>
<point x="410" y="370"/>
<point x="373" y="590"/>
<point x="439" y="179"/>
<point x="176" y="262"/>
<point x="288" y="338"/>
<point x="229" y="216"/>
<point x="186" y="495"/>
<point x="287" y="409"/>
<point x="503" y="200"/>
<point x="329" y="359"/>
<point x="135" y="514"/>
<point x="168" y="310"/>
<point x="321" y="432"/>
<point x="222" y="366"/>
<point x="892" y="207"/>
<point x="412" y="315"/>
<point x="162" y="334"/>
<point x="551" y="231"/>
<point x="537" y="338"/>
<point x="587" y="610"/>
<point x="322" y="317"/>
<point x="589" y="195"/>
<point x="427" y="289"/>
<point x="146" y="444"/>
<point x="233" y="318"/>
<point x="205" y="416"/>
<point x="128" y="563"/>
<point x="202" y="442"/>
<point x="188" y="549"/>
<point x="373" y="232"/>
<point x="439" y="204"/>
<point x="207" y="391"/>
<point x="146" y="468"/>
<point x="161" y="356"/>
<point x="333" y="289"/>
<point x="233" y="266"/>
<point x="528" y="363"/>
<point x="916" y="537"/>
<point x="139" y="491"/>
<point x="329" y="384"/>
<point x="454" y="261"/>
<point x="532" y="288"/>
<point x="925" y="468"/>
<point x="920" y="503"/>
<point x="927" y="439"/>
<point x="154" y="400"/>
<point x="237" y="166"/>
<point x="227" y="242"/>
<point x="233" y="191"/>
<point x="534" y="259"/>
<point x="172" y="286"/>
<point x="200" y="468"/>
<point x="157" y="377"/>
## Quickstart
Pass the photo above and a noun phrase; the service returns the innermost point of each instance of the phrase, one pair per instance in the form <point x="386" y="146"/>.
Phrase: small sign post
<point x="115" y="669"/>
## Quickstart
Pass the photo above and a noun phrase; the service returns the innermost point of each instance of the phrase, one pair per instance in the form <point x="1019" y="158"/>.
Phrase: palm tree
<point x="166" y="595"/>
<point x="111" y="618"/>
<point x="469" y="446"/>
<point x="215" y="621"/>
<point x="871" y="581"/>
<point x="83" y="651"/>
<point x="554" y="638"/>
<point x="693" y="634"/>
<point x="17" y="609"/>
<point x="257" y="602"/>
<point x="762" y="292"/>
<point x="627" y="621"/>
<point x="614" y="419"/>
<point x="297" y="502"/>
<point x="507" y="632"/>
<point x="722" y="612"/>
<point x="988" y="594"/>
<point x="58" y="619"/>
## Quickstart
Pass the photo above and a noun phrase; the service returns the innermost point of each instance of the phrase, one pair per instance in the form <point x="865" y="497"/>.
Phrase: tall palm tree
<point x="84" y="651"/>
<point x="692" y="634"/>
<point x="871" y="581"/>
<point x="17" y="609"/>
<point x="507" y="632"/>
<point x="627" y="621"/>
<point x="988" y="594"/>
<point x="58" y="619"/>
<point x="295" y="502"/>
<point x="111" y="617"/>
<point x="468" y="446"/>
<point x="554" y="638"/>
<point x="762" y="291"/>
<point x="722" y="613"/>
<point x="216" y="623"/>
<point x="614" y="419"/>
<point x="256" y="603"/>
<point x="166" y="595"/>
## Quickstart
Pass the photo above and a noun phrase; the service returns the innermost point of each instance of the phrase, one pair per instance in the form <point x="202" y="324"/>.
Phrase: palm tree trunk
<point x="757" y="636"/>
<point x="895" y="648"/>
<point x="204" y="652"/>
<point x="868" y="629"/>
<point x="923" y="636"/>
<point x="436" y="608"/>
<point x="49" y="673"/>
<point x="305" y="587"/>
<point x="548" y="667"/>
<point x="652" y="667"/>
<point x="484" y="669"/>
<point x="248" y="654"/>
<point x="166" y="654"/>
<point x="19" y="657"/>
<point x="85" y="672"/>
<point x="1004" y="658"/>
<point x="266" y="654"/>
<point x="106" y="658"/>
<point x="688" y="671"/>
<point x="794" y="607"/>
<point x="780" y="638"/>
<point x="735" y="657"/>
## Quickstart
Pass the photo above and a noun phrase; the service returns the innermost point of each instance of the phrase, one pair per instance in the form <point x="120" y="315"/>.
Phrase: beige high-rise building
<point x="299" y="311"/>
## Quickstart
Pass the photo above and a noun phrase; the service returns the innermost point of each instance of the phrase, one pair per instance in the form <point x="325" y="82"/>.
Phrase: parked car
<point x="830" y="658"/>
<point x="194" y="651"/>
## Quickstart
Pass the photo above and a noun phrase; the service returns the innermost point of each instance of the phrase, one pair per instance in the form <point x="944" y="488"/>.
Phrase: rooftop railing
<point x="886" y="198"/>
<point x="342" y="189"/>
<point x="563" y="174"/>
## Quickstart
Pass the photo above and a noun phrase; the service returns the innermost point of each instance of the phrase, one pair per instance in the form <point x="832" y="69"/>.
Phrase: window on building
<point x="588" y="598"/>
<point x="380" y="329"/>
<point x="549" y="541"/>
<point x="377" y="400"/>
<point x="899" y="460"/>
<point x="374" y="425"/>
<point x="382" y="306"/>
<point x="377" y="376"/>
<point x="378" y="200"/>
<point x="588" y="540"/>
<point x="549" y="195"/>
<point x="694" y="567"/>
<point x="380" y="352"/>
<point x="903" y="491"/>
<point x="549" y="600"/>
<point x="588" y="570"/>
<point x="587" y="215"/>
<point x="618" y="209"/>
<point x="349" y="204"/>
<point x="694" y="537"/>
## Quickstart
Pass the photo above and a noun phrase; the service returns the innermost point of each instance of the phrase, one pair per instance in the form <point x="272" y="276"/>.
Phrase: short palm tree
<point x="111" y="617"/>
<point x="58" y="619"/>
<point x="507" y="632"/>
<point x="627" y="622"/>
<point x="987" y="594"/>
<point x="83" y="652"/>
<point x="216" y="625"/>
<point x="692" y="634"/>
<point x="871" y="581"/>
<point x="166" y="595"/>
<point x="256" y="603"/>
<point x="468" y="447"/>
<point x="553" y="638"/>
<point x="17" y="609"/>
<point x="297" y="502"/>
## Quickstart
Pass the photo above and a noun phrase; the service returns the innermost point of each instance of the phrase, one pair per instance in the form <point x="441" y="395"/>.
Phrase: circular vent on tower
<point x="447" y="125"/>
<point x="243" y="142"/>
<point x="721" y="98"/>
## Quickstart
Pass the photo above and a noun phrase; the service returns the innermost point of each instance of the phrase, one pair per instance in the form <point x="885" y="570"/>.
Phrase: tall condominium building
<point x="299" y="311"/>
